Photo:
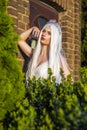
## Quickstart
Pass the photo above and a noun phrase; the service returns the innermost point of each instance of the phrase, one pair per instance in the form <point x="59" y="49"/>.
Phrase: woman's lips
<point x="42" y="38"/>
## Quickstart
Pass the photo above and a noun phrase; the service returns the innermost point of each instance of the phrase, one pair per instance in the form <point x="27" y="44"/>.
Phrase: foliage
<point x="11" y="76"/>
<point x="22" y="118"/>
<point x="84" y="33"/>
<point x="51" y="106"/>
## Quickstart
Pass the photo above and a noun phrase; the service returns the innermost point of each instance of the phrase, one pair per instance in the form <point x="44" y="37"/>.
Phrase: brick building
<point x="26" y="13"/>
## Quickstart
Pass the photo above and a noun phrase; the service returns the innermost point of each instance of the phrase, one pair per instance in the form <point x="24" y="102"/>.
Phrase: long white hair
<point x="56" y="58"/>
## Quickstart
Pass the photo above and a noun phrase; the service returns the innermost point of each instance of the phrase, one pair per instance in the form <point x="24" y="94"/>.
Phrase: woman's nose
<point x="44" y="33"/>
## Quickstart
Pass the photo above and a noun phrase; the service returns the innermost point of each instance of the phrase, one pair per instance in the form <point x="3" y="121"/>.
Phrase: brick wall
<point x="70" y="21"/>
<point x="77" y="37"/>
<point x="19" y="11"/>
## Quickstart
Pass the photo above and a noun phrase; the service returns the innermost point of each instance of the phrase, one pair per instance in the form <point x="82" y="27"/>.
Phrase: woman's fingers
<point x="36" y="32"/>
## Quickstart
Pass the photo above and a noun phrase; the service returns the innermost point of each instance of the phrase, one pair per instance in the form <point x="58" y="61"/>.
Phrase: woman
<point x="48" y="52"/>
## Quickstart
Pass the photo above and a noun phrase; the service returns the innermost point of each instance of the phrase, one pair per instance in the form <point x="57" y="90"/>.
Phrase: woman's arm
<point x="22" y="40"/>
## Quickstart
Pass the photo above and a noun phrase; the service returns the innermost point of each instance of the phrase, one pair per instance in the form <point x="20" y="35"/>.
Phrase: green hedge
<point x="12" y="88"/>
<point x="51" y="106"/>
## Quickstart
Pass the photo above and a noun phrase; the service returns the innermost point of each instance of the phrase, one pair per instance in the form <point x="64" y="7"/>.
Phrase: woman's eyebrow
<point x="49" y="32"/>
<point x="43" y="30"/>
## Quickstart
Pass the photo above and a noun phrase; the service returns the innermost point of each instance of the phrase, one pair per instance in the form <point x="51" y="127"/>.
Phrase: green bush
<point x="59" y="107"/>
<point x="12" y="88"/>
<point x="51" y="106"/>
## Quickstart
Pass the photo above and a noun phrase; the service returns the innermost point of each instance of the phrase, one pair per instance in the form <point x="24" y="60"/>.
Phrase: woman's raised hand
<point x="35" y="32"/>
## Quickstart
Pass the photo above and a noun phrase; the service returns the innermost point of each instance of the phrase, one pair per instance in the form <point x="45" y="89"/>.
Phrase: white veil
<point x="56" y="58"/>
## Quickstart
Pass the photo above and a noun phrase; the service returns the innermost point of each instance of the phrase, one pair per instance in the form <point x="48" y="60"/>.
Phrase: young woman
<point x="48" y="52"/>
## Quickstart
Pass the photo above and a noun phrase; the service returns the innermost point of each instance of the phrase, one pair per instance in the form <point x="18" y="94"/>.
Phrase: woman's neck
<point x="44" y="55"/>
<point x="44" y="51"/>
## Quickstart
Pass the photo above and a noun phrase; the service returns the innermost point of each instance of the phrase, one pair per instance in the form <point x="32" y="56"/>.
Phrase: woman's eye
<point x="49" y="33"/>
<point x="44" y="31"/>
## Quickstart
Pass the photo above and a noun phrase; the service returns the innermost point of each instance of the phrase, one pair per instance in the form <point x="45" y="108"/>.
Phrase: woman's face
<point x="46" y="36"/>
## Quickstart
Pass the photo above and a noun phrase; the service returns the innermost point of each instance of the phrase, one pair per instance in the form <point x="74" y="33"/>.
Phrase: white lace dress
<point x="42" y="70"/>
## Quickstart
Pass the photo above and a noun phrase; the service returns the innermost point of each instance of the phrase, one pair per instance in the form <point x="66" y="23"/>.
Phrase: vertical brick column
<point x="71" y="28"/>
<point x="23" y="15"/>
<point x="19" y="11"/>
<point x="12" y="10"/>
<point x="77" y="37"/>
